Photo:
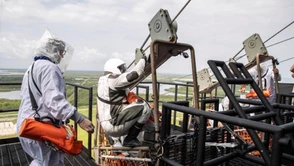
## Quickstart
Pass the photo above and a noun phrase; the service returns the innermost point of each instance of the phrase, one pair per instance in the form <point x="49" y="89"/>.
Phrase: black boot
<point x="110" y="140"/>
<point x="131" y="139"/>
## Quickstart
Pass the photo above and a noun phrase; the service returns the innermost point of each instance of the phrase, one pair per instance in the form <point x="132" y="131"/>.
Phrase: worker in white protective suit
<point x="116" y="115"/>
<point x="267" y="79"/>
<point x="268" y="83"/>
<point x="45" y="79"/>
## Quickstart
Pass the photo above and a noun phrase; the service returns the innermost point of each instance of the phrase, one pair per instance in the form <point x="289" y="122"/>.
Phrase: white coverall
<point x="267" y="79"/>
<point x="52" y="103"/>
<point x="267" y="83"/>
<point x="115" y="115"/>
<point x="49" y="80"/>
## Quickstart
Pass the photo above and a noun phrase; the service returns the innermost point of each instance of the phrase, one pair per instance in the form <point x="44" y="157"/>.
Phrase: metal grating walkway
<point x="12" y="154"/>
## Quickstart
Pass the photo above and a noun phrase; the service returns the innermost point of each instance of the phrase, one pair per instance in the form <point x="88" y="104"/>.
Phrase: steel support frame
<point x="278" y="132"/>
<point x="163" y="49"/>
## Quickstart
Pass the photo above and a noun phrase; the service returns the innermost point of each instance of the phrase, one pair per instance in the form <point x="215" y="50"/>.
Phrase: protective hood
<point x="65" y="61"/>
<point x="57" y="50"/>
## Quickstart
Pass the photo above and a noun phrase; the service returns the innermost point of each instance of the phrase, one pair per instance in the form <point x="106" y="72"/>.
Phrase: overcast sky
<point x="101" y="29"/>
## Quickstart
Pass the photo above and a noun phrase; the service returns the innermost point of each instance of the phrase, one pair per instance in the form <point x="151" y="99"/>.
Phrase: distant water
<point x="12" y="71"/>
<point x="12" y="95"/>
<point x="163" y="89"/>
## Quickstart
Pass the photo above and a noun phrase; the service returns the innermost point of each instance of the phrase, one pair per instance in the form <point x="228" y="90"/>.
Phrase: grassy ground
<point x="8" y="117"/>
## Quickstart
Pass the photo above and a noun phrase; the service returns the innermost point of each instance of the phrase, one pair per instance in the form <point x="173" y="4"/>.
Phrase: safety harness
<point x="111" y="102"/>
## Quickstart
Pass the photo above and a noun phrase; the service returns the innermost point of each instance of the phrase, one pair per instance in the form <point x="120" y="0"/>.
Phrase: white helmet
<point x="115" y="66"/>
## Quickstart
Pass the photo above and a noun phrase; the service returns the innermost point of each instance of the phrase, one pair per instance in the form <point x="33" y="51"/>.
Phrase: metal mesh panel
<point x="287" y="117"/>
<point x="241" y="162"/>
<point x="217" y="135"/>
<point x="182" y="149"/>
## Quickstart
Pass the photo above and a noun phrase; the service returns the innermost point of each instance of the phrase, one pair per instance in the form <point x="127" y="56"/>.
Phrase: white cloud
<point x="101" y="29"/>
<point x="95" y="59"/>
<point x="16" y="49"/>
<point x="88" y="55"/>
<point x="127" y="57"/>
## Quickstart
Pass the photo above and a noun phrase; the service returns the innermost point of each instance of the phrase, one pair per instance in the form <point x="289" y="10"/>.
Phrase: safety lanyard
<point x="33" y="101"/>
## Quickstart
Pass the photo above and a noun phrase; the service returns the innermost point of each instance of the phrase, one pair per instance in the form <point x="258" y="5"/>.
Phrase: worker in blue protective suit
<point x="116" y="115"/>
<point x="45" y="79"/>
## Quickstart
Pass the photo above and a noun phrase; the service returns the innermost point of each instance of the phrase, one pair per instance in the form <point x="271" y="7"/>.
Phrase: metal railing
<point x="159" y="83"/>
<point x="90" y="109"/>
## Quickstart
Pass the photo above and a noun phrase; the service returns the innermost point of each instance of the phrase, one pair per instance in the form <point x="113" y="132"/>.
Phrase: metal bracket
<point x="224" y="145"/>
<point x="204" y="79"/>
<point x="253" y="46"/>
<point x="161" y="27"/>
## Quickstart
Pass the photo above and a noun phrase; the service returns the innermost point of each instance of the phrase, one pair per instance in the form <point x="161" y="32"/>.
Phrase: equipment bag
<point x="59" y="137"/>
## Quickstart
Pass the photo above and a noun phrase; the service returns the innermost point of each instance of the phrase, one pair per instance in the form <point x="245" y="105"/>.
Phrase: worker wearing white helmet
<point x="116" y="115"/>
<point x="267" y="79"/>
<point x="268" y="83"/>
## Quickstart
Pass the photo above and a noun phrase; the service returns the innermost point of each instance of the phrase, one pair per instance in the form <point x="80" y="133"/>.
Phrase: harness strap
<point x="33" y="101"/>
<point x="34" y="80"/>
<point x="262" y="77"/>
<point x="109" y="102"/>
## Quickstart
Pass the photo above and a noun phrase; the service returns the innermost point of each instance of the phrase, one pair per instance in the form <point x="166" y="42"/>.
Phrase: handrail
<point x="76" y="86"/>
<point x="225" y="118"/>
<point x="10" y="83"/>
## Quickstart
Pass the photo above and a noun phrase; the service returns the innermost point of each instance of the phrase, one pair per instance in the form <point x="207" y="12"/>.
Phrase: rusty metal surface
<point x="160" y="52"/>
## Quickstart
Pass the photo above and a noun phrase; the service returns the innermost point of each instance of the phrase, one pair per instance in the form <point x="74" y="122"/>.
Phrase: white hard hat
<point x="115" y="66"/>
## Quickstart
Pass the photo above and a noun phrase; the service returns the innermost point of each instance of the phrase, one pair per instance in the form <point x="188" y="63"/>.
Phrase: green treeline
<point x="6" y="104"/>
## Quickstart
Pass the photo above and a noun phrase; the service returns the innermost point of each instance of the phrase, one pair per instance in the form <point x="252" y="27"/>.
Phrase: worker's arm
<point x="276" y="71"/>
<point x="127" y="79"/>
<point x="292" y="68"/>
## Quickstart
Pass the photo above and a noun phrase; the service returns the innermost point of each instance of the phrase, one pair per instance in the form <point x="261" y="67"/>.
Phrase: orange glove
<point x="132" y="97"/>
<point x="252" y="94"/>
